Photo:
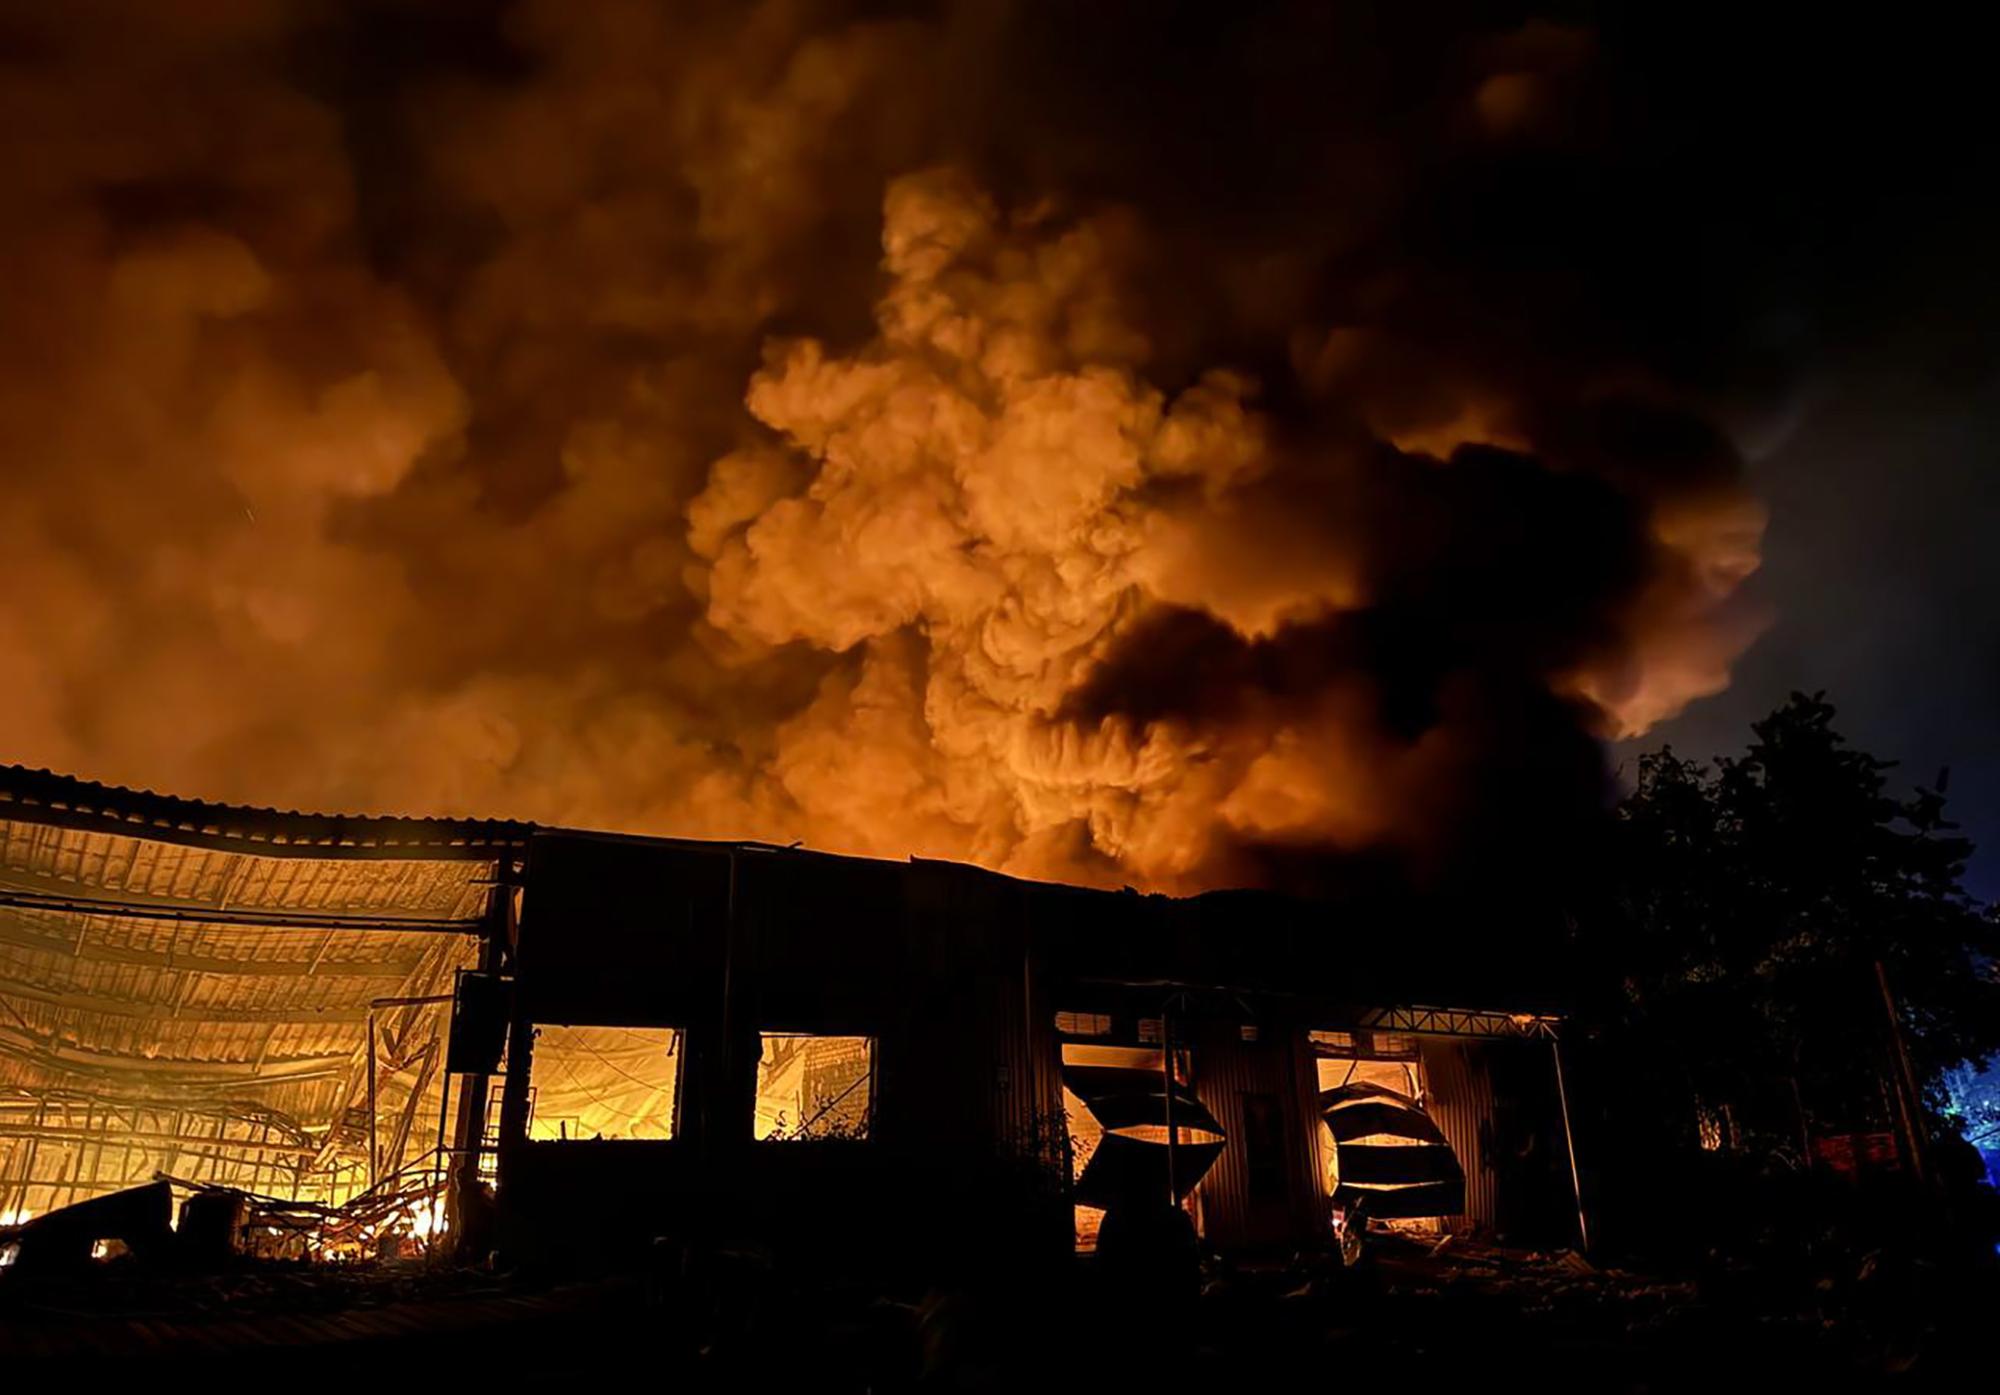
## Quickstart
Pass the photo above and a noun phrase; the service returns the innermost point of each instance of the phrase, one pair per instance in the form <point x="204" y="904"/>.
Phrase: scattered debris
<point x="137" y="1221"/>
<point x="218" y="1227"/>
<point x="212" y="1228"/>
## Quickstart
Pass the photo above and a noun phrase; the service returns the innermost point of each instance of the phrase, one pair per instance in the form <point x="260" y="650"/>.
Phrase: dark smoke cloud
<point x="1132" y="442"/>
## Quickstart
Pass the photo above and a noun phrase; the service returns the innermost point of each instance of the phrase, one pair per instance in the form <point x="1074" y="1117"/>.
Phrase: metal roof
<point x="44" y="797"/>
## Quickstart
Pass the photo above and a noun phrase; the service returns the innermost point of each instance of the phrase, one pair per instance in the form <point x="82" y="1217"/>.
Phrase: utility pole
<point x="1569" y="1142"/>
<point x="1909" y="1099"/>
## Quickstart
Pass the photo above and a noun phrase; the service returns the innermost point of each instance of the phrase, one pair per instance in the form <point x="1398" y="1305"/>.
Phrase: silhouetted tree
<point x="1754" y="898"/>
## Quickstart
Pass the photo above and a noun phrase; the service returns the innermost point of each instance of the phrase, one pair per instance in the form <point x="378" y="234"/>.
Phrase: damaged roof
<point x="67" y="801"/>
<point x="199" y="977"/>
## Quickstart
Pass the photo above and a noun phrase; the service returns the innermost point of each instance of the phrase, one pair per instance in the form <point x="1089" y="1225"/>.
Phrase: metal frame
<point x="256" y="919"/>
<point x="1519" y="1026"/>
<point x="1459" y="1022"/>
<point x="216" y="1142"/>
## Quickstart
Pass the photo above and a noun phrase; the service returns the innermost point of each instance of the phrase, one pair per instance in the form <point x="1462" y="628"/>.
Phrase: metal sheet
<point x="1372" y="1165"/>
<point x="1459" y="1096"/>
<point x="1423" y="1202"/>
<point x="1226" y="1070"/>
<point x="139" y="1035"/>
<point x="1126" y="1169"/>
<point x="1358" y="1111"/>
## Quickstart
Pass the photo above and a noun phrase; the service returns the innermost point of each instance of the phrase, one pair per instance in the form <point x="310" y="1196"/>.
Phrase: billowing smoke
<point x="1070" y="438"/>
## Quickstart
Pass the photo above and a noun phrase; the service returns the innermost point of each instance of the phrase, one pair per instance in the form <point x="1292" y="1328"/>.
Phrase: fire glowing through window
<point x="605" y="1082"/>
<point x="1144" y="1065"/>
<point x="814" y="1087"/>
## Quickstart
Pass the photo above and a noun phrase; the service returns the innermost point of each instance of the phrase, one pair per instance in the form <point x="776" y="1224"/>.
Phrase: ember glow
<point x="753" y="422"/>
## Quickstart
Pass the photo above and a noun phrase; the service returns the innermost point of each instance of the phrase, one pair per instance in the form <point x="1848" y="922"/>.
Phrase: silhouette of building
<point x="594" y="1042"/>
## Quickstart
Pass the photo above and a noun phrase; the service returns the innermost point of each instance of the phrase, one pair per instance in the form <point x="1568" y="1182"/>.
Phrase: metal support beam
<point x="374" y="1150"/>
<point x="1459" y="1022"/>
<point x="1569" y="1140"/>
<point x="469" y="1136"/>
<point x="57" y="1134"/>
<point x="273" y="919"/>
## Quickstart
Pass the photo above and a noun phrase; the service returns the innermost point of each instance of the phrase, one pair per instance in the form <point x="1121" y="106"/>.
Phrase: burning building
<point x="591" y="1041"/>
<point x="837" y="425"/>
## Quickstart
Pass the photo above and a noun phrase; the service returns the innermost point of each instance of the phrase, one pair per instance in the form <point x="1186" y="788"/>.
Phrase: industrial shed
<point x="590" y="1042"/>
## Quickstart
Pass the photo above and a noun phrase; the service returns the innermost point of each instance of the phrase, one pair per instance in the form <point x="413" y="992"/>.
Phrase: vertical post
<point x="514" y="1088"/>
<point x="374" y="1159"/>
<point x="1167" y="1079"/>
<point x="444" y="1112"/>
<point x="26" y="1189"/>
<point x="1909" y="1099"/>
<point x="1569" y="1140"/>
<point x="74" y="1170"/>
<point x="730" y="1079"/>
<point x="1031" y="1085"/>
<point x="716" y="1080"/>
<point x="514" y="1085"/>
<point x="442" y="1191"/>
<point x="459" y="1155"/>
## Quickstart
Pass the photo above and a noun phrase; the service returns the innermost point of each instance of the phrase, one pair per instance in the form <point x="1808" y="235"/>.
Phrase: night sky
<point x="1880" y="566"/>
<point x="1881" y="570"/>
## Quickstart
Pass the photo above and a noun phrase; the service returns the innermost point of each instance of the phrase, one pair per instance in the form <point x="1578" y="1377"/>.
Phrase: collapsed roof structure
<point x="200" y="990"/>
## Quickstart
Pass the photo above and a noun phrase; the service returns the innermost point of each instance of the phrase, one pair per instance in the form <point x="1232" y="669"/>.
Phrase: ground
<point x="1410" y="1312"/>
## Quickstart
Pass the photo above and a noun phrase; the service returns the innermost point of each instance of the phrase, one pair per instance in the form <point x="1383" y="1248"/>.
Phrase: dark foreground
<point x="1409" y="1313"/>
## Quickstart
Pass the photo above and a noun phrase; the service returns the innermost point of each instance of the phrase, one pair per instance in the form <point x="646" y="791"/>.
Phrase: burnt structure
<point x="592" y="1042"/>
<point x="993" y="1012"/>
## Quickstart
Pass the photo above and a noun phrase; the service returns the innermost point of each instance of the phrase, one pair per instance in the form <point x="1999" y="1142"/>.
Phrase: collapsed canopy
<point x="200" y="989"/>
<point x="1388" y="1151"/>
<point x="1131" y="1161"/>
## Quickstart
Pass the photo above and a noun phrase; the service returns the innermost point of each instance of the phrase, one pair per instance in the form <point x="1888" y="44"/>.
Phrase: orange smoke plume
<point x="758" y="423"/>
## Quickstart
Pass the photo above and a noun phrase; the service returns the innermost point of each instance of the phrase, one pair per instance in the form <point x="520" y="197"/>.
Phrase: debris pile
<point x="215" y="1228"/>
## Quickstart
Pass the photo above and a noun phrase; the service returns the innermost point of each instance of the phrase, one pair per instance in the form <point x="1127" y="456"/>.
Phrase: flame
<point x="427" y="1221"/>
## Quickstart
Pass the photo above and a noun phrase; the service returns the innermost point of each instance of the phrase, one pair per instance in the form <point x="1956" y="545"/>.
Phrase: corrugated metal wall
<point x="1026" y="1070"/>
<point x="981" y="1044"/>
<point x="1227" y="1068"/>
<point x="1460" y="1086"/>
